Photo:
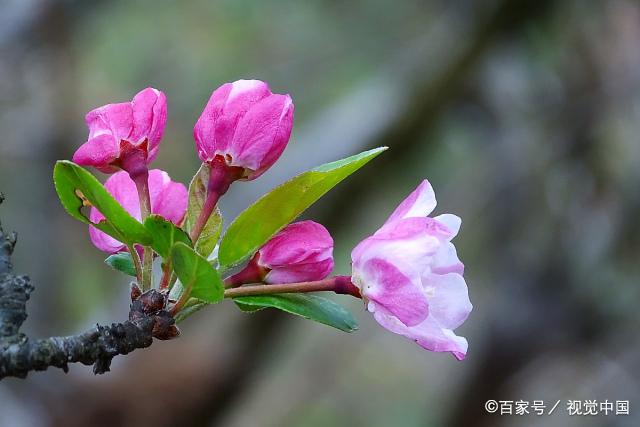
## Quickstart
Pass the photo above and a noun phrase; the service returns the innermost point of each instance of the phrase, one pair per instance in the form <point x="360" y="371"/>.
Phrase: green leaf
<point x="165" y="234"/>
<point x="310" y="307"/>
<point x="197" y="195"/>
<point x="123" y="262"/>
<point x="74" y="183"/>
<point x="195" y="273"/>
<point x="269" y="214"/>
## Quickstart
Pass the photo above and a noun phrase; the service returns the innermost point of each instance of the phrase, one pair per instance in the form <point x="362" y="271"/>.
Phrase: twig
<point x="19" y="354"/>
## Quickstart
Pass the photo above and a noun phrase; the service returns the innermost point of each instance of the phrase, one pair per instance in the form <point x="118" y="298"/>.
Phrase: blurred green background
<point x="523" y="114"/>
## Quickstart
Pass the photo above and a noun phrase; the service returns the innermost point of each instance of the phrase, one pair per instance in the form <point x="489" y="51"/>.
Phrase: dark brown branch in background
<point x="19" y="354"/>
<point x="432" y="95"/>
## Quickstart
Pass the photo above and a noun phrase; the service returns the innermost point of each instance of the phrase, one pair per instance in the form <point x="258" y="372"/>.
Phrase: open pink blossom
<point x="410" y="276"/>
<point x="168" y="199"/>
<point x="245" y="125"/>
<point x="302" y="251"/>
<point x="125" y="135"/>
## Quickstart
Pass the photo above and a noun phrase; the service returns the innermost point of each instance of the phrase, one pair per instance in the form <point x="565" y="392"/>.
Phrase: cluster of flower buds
<point x="407" y="273"/>
<point x="242" y="131"/>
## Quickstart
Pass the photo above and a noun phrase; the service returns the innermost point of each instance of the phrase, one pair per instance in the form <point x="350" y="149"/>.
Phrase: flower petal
<point x="298" y="242"/>
<point x="122" y="188"/>
<point x="413" y="227"/>
<point x="216" y="125"/>
<point x="427" y="334"/>
<point x="104" y="242"/>
<point x="397" y="292"/>
<point x="452" y="222"/>
<point x="262" y="134"/>
<point x="446" y="260"/>
<point x="98" y="152"/>
<point x="316" y="270"/>
<point x="420" y="203"/>
<point x="149" y="118"/>
<point x="245" y="93"/>
<point x="301" y="251"/>
<point x="449" y="303"/>
<point x="114" y="118"/>
<point x="168" y="198"/>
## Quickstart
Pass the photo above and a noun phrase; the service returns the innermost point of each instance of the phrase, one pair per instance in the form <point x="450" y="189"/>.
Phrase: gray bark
<point x="20" y="354"/>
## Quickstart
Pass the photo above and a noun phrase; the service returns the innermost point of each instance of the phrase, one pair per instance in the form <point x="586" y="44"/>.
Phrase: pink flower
<point x="125" y="135"/>
<point x="410" y="276"/>
<point x="168" y="199"/>
<point x="302" y="251"/>
<point x="246" y="125"/>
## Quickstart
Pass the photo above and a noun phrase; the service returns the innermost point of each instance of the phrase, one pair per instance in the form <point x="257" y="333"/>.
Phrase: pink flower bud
<point x="125" y="135"/>
<point x="300" y="252"/>
<point x="410" y="276"/>
<point x="168" y="199"/>
<point x="246" y="125"/>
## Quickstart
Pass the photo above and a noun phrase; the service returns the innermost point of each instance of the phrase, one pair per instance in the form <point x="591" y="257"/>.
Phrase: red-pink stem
<point x="220" y="178"/>
<point x="252" y="273"/>
<point x="141" y="181"/>
<point x="142" y="185"/>
<point x="166" y="273"/>
<point x="337" y="284"/>
<point x="208" y="207"/>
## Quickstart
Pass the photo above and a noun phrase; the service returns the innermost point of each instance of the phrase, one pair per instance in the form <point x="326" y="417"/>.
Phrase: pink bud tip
<point x="246" y="124"/>
<point x="139" y="124"/>
<point x="300" y="252"/>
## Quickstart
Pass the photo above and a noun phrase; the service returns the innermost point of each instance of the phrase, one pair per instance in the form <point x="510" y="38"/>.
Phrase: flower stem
<point x="208" y="207"/>
<point x="221" y="176"/>
<point x="136" y="262"/>
<point x="166" y="273"/>
<point x="252" y="273"/>
<point x="184" y="297"/>
<point x="337" y="284"/>
<point x="142" y="185"/>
